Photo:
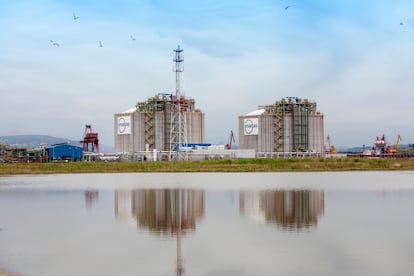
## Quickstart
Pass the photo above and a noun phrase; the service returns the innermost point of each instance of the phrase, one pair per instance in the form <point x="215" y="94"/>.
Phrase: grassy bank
<point x="227" y="165"/>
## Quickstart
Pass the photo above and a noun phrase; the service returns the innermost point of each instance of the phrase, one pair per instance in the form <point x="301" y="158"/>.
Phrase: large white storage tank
<point x="148" y="125"/>
<point x="290" y="125"/>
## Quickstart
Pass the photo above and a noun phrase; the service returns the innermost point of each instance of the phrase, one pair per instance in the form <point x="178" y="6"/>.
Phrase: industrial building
<point x="65" y="152"/>
<point x="165" y="122"/>
<point x="289" y="127"/>
<point x="149" y="125"/>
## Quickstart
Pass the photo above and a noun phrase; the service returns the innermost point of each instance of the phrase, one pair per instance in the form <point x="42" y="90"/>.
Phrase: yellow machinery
<point x="331" y="147"/>
<point x="395" y="146"/>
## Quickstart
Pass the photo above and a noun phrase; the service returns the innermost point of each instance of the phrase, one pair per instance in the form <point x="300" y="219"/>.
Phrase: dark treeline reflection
<point x="162" y="211"/>
<point x="294" y="210"/>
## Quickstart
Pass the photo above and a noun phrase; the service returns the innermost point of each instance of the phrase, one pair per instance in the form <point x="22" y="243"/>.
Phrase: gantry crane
<point x="231" y="140"/>
<point x="331" y="147"/>
<point x="90" y="137"/>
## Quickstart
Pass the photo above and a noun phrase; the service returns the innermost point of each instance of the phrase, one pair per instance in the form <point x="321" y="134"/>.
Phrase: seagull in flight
<point x="54" y="43"/>
<point x="287" y="7"/>
<point x="132" y="38"/>
<point x="100" y="44"/>
<point x="75" y="17"/>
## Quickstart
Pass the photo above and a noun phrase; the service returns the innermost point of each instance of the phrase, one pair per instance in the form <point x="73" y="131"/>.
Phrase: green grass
<point x="225" y="165"/>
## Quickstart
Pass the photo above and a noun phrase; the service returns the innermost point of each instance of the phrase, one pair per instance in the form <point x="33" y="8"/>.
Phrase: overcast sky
<point x="354" y="58"/>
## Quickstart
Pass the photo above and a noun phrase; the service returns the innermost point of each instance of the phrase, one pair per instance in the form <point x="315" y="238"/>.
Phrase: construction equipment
<point x="231" y="140"/>
<point x="90" y="137"/>
<point x="395" y="146"/>
<point x="331" y="147"/>
<point x="380" y="146"/>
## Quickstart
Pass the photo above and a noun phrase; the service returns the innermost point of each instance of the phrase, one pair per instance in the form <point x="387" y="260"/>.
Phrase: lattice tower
<point x="178" y="133"/>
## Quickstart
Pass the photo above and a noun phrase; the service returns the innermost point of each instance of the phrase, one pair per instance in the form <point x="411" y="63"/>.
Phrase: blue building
<point x="65" y="152"/>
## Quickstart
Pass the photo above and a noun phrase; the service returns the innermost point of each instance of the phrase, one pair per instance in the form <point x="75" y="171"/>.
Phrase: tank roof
<point x="256" y="112"/>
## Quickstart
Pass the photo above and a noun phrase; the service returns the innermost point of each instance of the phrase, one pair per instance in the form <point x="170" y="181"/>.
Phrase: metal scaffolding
<point x="291" y="122"/>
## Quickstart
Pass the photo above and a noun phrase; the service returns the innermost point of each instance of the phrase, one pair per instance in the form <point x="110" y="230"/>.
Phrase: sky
<point x="354" y="58"/>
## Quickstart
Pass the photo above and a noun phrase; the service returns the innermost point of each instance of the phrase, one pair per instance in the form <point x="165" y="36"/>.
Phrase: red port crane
<point x="90" y="137"/>
<point x="231" y="140"/>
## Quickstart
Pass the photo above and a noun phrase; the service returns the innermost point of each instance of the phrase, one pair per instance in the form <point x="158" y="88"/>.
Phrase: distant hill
<point x="35" y="141"/>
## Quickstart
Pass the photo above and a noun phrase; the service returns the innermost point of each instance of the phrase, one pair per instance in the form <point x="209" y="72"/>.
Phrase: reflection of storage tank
<point x="157" y="210"/>
<point x="289" y="210"/>
<point x="163" y="212"/>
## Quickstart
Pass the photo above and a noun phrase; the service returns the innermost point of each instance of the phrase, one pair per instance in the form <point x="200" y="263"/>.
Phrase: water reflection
<point x="293" y="210"/>
<point x="91" y="197"/>
<point x="163" y="212"/>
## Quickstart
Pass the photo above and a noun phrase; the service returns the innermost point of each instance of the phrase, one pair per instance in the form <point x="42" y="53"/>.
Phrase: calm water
<point x="342" y="223"/>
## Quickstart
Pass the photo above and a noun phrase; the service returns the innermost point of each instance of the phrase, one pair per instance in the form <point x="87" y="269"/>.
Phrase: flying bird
<point x="287" y="7"/>
<point x="54" y="43"/>
<point x="401" y="23"/>
<point x="100" y="44"/>
<point x="132" y="38"/>
<point x="75" y="17"/>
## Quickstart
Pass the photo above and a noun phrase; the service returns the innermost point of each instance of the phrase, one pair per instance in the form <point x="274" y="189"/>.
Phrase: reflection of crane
<point x="331" y="147"/>
<point x="231" y="139"/>
<point x="395" y="146"/>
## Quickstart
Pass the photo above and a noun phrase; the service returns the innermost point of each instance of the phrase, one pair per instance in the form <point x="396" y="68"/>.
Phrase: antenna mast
<point x="178" y="135"/>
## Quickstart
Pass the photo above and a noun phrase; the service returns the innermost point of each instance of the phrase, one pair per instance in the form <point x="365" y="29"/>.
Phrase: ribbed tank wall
<point x="287" y="133"/>
<point x="135" y="141"/>
<point x="195" y="127"/>
<point x="264" y="141"/>
<point x="160" y="131"/>
<point x="316" y="133"/>
<point x="289" y="125"/>
<point x="266" y="134"/>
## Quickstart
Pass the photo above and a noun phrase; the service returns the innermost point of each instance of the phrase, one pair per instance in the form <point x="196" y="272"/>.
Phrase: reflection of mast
<point x="171" y="212"/>
<point x="180" y="262"/>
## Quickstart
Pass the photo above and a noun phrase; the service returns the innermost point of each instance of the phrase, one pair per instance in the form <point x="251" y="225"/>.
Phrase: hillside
<point x="34" y="141"/>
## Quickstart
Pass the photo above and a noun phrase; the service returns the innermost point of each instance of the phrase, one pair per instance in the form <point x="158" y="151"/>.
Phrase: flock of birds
<point x="75" y="17"/>
<point x="54" y="43"/>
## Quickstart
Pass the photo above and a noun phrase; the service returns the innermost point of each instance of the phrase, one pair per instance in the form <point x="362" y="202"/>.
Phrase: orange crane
<point x="395" y="146"/>
<point x="331" y="147"/>
<point x="231" y="139"/>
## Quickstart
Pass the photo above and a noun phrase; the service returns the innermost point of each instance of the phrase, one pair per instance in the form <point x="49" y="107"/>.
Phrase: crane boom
<point x="231" y="140"/>
<point x="331" y="147"/>
<point x="395" y="146"/>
